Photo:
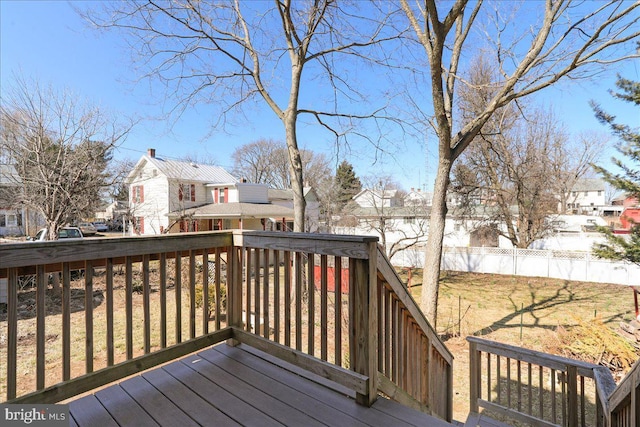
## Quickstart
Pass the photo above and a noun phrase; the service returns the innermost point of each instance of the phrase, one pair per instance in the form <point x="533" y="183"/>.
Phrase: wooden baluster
<point x="192" y="294"/>
<point x="12" y="333"/>
<point x="109" y="283"/>
<point x="299" y="300"/>
<point x="129" y="306"/>
<point x="324" y="305"/>
<point x="178" y="296"/>
<point x="311" y="312"/>
<point x="337" y="278"/>
<point x="276" y="296"/>
<point x="287" y="298"/>
<point x="205" y="291"/>
<point x="146" y="294"/>
<point x="88" y="313"/>
<point x="266" y="294"/>
<point x="163" y="300"/>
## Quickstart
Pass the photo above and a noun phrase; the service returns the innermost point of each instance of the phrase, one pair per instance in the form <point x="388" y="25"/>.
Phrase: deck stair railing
<point x="331" y="304"/>
<point x="546" y="390"/>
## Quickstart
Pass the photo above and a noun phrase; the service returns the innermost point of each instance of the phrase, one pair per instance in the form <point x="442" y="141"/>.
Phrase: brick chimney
<point x="151" y="152"/>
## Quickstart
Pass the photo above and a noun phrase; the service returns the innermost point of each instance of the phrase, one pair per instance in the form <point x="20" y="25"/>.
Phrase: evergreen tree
<point x="627" y="176"/>
<point x="347" y="184"/>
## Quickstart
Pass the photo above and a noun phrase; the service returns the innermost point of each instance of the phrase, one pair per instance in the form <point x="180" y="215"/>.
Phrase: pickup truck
<point x="64" y="233"/>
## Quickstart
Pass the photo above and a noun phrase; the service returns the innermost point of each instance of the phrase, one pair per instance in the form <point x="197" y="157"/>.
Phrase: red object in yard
<point x="331" y="281"/>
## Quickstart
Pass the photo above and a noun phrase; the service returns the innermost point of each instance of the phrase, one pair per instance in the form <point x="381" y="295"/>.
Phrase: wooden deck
<point x="231" y="386"/>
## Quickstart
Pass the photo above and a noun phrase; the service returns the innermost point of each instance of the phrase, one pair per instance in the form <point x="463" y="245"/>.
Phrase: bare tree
<point x="232" y="52"/>
<point x="562" y="39"/>
<point x="61" y="150"/>
<point x="519" y="177"/>
<point x="265" y="162"/>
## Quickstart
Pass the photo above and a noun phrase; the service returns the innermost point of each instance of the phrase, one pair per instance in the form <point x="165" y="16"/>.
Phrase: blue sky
<point x="47" y="41"/>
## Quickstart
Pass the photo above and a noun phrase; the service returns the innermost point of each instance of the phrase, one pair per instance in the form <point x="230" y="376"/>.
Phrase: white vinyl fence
<point x="569" y="265"/>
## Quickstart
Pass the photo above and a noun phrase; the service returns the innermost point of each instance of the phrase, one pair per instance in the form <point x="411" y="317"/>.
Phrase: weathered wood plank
<point x="104" y="376"/>
<point x="185" y="398"/>
<point x="321" y="244"/>
<point x="281" y="390"/>
<point x="41" y="289"/>
<point x="350" y="379"/>
<point x="124" y="410"/>
<point x="88" y="411"/>
<point x="322" y="389"/>
<point x="21" y="255"/>
<point x="218" y="397"/>
<point x="253" y="396"/>
<point x="156" y="404"/>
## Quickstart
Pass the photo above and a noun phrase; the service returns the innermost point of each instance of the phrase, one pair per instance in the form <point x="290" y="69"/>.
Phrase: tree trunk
<point x="433" y="251"/>
<point x="295" y="167"/>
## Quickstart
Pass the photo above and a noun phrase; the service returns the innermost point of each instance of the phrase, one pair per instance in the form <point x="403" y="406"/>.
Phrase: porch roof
<point x="236" y="210"/>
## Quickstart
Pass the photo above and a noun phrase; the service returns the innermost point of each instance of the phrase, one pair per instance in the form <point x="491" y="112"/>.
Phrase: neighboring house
<point x="587" y="197"/>
<point x="312" y="212"/>
<point x="630" y="217"/>
<point x="113" y="211"/>
<point x="417" y="197"/>
<point x="12" y="215"/>
<point x="174" y="196"/>
<point x="367" y="198"/>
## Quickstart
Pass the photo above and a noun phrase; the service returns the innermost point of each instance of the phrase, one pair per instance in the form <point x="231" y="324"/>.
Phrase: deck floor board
<point x="231" y="386"/>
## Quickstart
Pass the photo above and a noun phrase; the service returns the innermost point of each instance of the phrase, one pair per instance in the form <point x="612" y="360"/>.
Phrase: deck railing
<point x="331" y="304"/>
<point x="547" y="390"/>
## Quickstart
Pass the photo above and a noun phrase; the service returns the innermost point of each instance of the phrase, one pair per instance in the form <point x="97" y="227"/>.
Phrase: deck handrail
<point x="270" y="304"/>
<point x="429" y="363"/>
<point x="615" y="406"/>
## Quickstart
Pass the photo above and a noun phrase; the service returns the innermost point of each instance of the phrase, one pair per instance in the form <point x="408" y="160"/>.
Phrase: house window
<point x="139" y="225"/>
<point x="187" y="192"/>
<point x="586" y="193"/>
<point x="221" y="197"/>
<point x="137" y="194"/>
<point x="3" y="220"/>
<point x="409" y="220"/>
<point x="574" y="193"/>
<point x="599" y="192"/>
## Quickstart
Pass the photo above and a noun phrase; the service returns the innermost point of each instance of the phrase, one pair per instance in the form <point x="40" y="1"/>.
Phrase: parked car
<point x="87" y="228"/>
<point x="64" y="233"/>
<point x="100" y="226"/>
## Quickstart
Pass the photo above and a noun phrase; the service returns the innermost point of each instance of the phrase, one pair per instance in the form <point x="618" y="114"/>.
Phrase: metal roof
<point x="189" y="171"/>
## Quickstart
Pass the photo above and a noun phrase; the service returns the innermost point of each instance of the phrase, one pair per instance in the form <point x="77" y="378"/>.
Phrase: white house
<point x="587" y="197"/>
<point x="11" y="214"/>
<point x="173" y="196"/>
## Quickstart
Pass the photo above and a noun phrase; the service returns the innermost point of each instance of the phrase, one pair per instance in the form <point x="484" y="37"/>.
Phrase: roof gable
<point x="184" y="171"/>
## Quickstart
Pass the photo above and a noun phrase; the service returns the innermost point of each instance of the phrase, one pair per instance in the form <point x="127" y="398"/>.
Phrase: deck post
<point x="365" y="323"/>
<point x="234" y="290"/>
<point x="572" y="386"/>
<point x="474" y="372"/>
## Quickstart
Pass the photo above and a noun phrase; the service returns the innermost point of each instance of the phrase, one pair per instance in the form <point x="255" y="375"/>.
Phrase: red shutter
<point x="193" y="192"/>
<point x="141" y="194"/>
<point x="215" y="195"/>
<point x="226" y="195"/>
<point x="180" y="192"/>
